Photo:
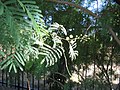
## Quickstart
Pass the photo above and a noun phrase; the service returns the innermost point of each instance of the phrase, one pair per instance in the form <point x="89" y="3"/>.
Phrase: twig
<point x="66" y="64"/>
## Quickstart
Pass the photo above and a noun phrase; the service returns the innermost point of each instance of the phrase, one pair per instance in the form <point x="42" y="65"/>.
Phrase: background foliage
<point x="41" y="36"/>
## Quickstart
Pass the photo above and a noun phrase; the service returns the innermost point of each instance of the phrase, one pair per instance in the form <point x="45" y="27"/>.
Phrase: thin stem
<point x="66" y="64"/>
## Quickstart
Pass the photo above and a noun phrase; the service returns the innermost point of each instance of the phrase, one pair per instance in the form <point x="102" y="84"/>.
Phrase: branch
<point x="114" y="36"/>
<point x="74" y="5"/>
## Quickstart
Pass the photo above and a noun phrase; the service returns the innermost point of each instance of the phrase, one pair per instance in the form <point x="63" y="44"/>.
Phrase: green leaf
<point x="30" y="2"/>
<point x="35" y="10"/>
<point x="19" y="14"/>
<point x="5" y="61"/>
<point x="42" y="53"/>
<point x="52" y="55"/>
<point x="32" y="6"/>
<point x="19" y="65"/>
<point x="15" y="69"/>
<point x="10" y="2"/>
<point x="10" y="67"/>
<point x="33" y="21"/>
<point x="20" y="58"/>
<point x="1" y="9"/>
<point x="21" y="4"/>
<point x="5" y="65"/>
<point x="2" y="53"/>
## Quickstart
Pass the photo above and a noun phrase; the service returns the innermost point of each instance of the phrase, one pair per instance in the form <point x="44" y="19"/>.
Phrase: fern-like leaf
<point x="53" y="54"/>
<point x="13" y="62"/>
